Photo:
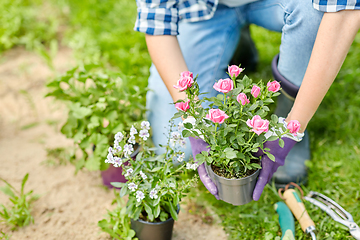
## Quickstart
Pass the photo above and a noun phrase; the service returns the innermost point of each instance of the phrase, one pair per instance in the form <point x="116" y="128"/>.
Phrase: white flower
<point x="144" y="134"/>
<point x="118" y="149"/>
<point x="192" y="166"/>
<point x="139" y="196"/>
<point x="116" y="144"/>
<point x="110" y="150"/>
<point x="119" y="137"/>
<point x="182" y="143"/>
<point x="180" y="126"/>
<point x="117" y="162"/>
<point x="143" y="175"/>
<point x="131" y="140"/>
<point x="110" y="158"/>
<point x="132" y="187"/>
<point x="181" y="157"/>
<point x="145" y="125"/>
<point x="128" y="149"/>
<point x="153" y="193"/>
<point x="128" y="172"/>
<point x="175" y="135"/>
<point x="133" y="131"/>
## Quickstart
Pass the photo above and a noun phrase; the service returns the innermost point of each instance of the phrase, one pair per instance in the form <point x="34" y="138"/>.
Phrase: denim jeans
<point x="208" y="47"/>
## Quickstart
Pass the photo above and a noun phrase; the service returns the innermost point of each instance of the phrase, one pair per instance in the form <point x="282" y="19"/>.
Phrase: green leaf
<point x="7" y="190"/>
<point x="149" y="212"/>
<point x="23" y="183"/>
<point x="230" y="153"/>
<point x="272" y="138"/>
<point x="281" y="143"/>
<point x="173" y="212"/>
<point x="272" y="158"/>
<point x="123" y="191"/>
<point x="188" y="125"/>
<point x="80" y="112"/>
<point x="92" y="163"/>
<point x="157" y="211"/>
<point x="186" y="133"/>
<point x="118" y="184"/>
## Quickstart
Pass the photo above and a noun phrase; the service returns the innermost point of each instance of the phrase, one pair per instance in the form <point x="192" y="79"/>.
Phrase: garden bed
<point x="70" y="205"/>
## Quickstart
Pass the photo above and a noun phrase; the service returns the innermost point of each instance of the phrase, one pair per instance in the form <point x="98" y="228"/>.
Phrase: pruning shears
<point x="335" y="211"/>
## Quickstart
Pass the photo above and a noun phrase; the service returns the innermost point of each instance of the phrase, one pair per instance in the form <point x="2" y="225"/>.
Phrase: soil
<point x="70" y="205"/>
<point x="226" y="174"/>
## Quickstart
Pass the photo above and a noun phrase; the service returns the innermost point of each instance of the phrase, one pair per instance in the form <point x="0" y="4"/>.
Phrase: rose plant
<point x="156" y="183"/>
<point x="235" y="125"/>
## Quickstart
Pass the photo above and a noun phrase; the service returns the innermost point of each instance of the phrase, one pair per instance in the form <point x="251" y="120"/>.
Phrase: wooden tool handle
<point x="297" y="207"/>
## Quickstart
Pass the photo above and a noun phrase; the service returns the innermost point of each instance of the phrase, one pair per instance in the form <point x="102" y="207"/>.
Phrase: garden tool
<point x="297" y="207"/>
<point x="294" y="169"/>
<point x="286" y="221"/>
<point x="335" y="211"/>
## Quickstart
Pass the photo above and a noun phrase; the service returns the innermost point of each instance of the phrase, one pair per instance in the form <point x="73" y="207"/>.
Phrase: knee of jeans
<point x="303" y="13"/>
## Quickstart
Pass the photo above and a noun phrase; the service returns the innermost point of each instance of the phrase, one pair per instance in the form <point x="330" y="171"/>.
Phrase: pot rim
<point x="229" y="179"/>
<point x="158" y="223"/>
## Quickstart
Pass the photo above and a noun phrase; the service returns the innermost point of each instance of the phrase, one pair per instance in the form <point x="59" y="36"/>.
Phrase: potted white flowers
<point x="155" y="183"/>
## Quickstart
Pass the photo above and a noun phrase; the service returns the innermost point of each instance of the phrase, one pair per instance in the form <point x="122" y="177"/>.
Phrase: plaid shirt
<point x="161" y="17"/>
<point x="335" y="5"/>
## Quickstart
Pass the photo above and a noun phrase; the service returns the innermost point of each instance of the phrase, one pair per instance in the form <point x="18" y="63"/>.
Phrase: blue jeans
<point x="208" y="47"/>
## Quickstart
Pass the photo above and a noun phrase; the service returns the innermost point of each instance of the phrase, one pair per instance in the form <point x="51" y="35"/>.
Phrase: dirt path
<point x="70" y="206"/>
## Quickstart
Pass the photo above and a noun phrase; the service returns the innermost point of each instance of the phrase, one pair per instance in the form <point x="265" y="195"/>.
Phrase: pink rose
<point x="234" y="70"/>
<point x="217" y="115"/>
<point x="255" y="91"/>
<point x="258" y="125"/>
<point x="183" y="106"/>
<point x="187" y="74"/>
<point x="273" y="86"/>
<point x="224" y="85"/>
<point x="294" y="127"/>
<point x="241" y="98"/>
<point x="184" y="82"/>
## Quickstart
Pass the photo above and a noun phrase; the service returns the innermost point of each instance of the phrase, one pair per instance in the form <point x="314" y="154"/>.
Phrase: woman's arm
<point x="334" y="38"/>
<point x="168" y="59"/>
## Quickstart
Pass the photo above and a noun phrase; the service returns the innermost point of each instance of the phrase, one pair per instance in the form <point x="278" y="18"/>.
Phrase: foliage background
<point x="101" y="31"/>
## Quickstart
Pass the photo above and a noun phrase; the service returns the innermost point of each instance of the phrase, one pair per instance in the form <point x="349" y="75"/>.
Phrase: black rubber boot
<point x="246" y="53"/>
<point x="294" y="169"/>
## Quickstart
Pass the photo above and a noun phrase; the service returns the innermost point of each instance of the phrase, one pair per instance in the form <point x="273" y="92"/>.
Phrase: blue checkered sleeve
<point x="336" y="5"/>
<point x="157" y="17"/>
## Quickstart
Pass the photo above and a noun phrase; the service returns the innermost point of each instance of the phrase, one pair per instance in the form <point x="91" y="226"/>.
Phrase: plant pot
<point x="234" y="191"/>
<point x="153" y="231"/>
<point x="115" y="174"/>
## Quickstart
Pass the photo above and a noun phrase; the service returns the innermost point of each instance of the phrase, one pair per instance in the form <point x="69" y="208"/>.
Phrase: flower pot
<point x="115" y="174"/>
<point x="234" y="191"/>
<point x="153" y="231"/>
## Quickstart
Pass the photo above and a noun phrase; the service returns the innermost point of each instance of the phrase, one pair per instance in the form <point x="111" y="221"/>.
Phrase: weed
<point x="18" y="215"/>
<point x="117" y="223"/>
<point x="58" y="156"/>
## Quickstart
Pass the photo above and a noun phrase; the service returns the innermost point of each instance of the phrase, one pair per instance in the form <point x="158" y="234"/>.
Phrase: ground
<point x="70" y="205"/>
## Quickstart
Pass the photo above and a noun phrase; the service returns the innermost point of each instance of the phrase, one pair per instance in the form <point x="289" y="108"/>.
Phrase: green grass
<point x="102" y="31"/>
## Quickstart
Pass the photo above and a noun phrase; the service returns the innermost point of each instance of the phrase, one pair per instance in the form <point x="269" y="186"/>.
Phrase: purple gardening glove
<point x="269" y="167"/>
<point x="198" y="145"/>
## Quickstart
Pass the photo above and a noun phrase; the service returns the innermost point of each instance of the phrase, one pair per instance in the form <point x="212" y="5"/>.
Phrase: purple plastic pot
<point x="114" y="174"/>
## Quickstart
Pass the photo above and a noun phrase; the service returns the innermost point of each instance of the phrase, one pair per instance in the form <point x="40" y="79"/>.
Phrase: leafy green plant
<point x="22" y="22"/>
<point x="19" y="214"/>
<point x="117" y="223"/>
<point x="155" y="183"/>
<point x="101" y="103"/>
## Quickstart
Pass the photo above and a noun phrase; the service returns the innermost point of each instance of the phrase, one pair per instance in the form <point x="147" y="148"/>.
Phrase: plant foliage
<point x="101" y="103"/>
<point x="18" y="215"/>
